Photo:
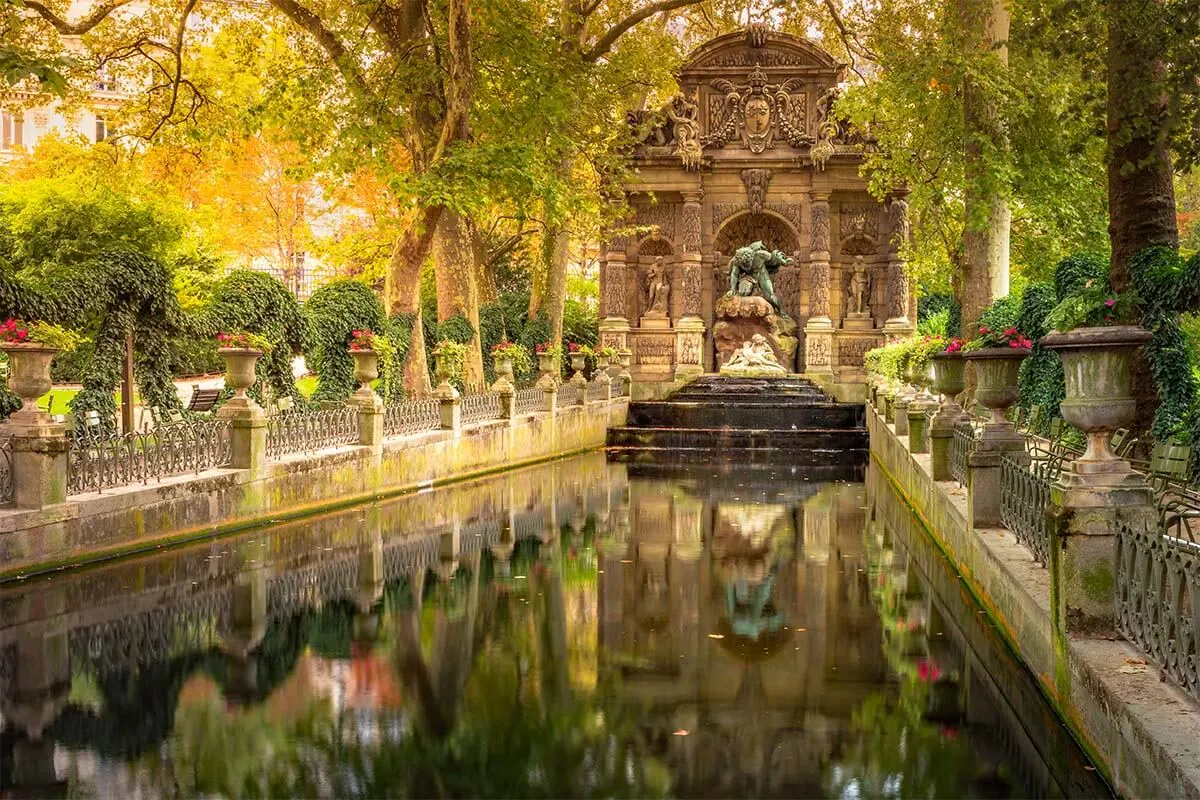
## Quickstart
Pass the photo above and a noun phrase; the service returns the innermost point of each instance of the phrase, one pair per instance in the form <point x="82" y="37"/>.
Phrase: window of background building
<point x="11" y="129"/>
<point x="101" y="128"/>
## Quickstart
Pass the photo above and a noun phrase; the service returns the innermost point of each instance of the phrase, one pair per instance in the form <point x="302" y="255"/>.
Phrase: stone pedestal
<point x="370" y="418"/>
<point x="249" y="433"/>
<point x="655" y="322"/>
<point x="1083" y="525"/>
<point x="918" y="424"/>
<point x="451" y="407"/>
<point x="818" y="346"/>
<point x="983" y="474"/>
<point x="508" y="405"/>
<point x="689" y="347"/>
<point x="39" y="460"/>
<point x="900" y="411"/>
<point x="941" y="439"/>
<point x="614" y="333"/>
<point x="858" y="321"/>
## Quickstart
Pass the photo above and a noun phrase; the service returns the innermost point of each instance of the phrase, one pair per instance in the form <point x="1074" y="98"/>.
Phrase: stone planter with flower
<point x="549" y="357"/>
<point x="1094" y="336"/>
<point x="997" y="356"/>
<point x="241" y="351"/>
<point x="604" y="356"/>
<point x="949" y="381"/>
<point x="31" y="348"/>
<point x="578" y="354"/>
<point x="366" y="348"/>
<point x="507" y="357"/>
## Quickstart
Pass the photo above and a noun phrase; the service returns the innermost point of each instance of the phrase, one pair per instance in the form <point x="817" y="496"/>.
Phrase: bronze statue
<point x="751" y="268"/>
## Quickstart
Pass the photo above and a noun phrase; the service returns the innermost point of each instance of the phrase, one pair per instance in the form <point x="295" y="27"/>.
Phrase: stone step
<point x="849" y="463"/>
<point x="763" y="479"/>
<point x="739" y="439"/>
<point x="757" y="416"/>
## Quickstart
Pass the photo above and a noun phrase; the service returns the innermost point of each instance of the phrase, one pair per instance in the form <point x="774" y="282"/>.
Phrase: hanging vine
<point x="333" y="312"/>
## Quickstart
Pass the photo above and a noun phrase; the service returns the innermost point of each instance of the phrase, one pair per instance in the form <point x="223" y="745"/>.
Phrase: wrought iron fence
<point x="597" y="391"/>
<point x="1158" y="588"/>
<point x="480" y="406"/>
<point x="6" y="472"/>
<point x="529" y="401"/>
<point x="1024" y="498"/>
<point x="412" y="416"/>
<point x="568" y="395"/>
<point x="620" y="387"/>
<point x="961" y="446"/>
<point x="307" y="429"/>
<point x="99" y="461"/>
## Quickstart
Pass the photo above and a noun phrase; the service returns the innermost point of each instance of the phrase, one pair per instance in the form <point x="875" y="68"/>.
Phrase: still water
<point x="575" y="629"/>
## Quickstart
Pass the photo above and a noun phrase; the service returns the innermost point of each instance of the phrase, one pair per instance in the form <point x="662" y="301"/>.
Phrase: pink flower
<point x="927" y="670"/>
<point x="983" y="329"/>
<point x="1109" y="303"/>
<point x="1010" y="331"/>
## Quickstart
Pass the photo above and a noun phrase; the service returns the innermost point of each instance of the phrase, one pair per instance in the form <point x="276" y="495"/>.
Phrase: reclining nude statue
<point x="754" y="357"/>
<point x="752" y="267"/>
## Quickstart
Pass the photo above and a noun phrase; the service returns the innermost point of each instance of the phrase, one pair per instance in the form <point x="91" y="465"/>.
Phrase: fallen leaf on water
<point x="716" y="636"/>
<point x="681" y="732"/>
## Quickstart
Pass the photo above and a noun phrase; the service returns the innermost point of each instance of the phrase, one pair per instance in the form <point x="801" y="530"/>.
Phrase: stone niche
<point x="748" y="151"/>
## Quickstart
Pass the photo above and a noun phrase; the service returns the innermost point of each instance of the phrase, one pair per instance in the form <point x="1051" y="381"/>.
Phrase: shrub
<point x="333" y="313"/>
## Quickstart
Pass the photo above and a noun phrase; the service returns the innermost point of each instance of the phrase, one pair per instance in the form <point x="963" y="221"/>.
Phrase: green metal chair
<point x="1123" y="443"/>
<point x="1170" y="466"/>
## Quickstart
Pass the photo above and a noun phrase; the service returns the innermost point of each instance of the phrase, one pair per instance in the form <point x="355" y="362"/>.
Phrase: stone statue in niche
<point x="859" y="295"/>
<point x="753" y="358"/>
<point x="751" y="268"/>
<point x="658" y="291"/>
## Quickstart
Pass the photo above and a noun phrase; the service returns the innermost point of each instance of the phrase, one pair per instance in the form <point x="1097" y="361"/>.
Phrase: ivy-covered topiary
<point x="1041" y="378"/>
<point x="456" y="329"/>
<point x="1073" y="272"/>
<point x="251" y="301"/>
<point x="1167" y="286"/>
<point x="333" y="312"/>
<point x="492" y="331"/>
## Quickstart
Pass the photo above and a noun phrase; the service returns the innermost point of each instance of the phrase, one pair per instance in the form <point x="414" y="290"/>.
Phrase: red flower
<point x="927" y="670"/>
<point x="572" y="347"/>
<point x="984" y="329"/>
<point x="1010" y="331"/>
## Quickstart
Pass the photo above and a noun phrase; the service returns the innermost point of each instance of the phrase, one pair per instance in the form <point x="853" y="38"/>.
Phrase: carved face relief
<point x="758" y="116"/>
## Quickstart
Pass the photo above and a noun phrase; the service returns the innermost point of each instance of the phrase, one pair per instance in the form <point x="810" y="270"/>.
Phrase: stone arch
<point x="749" y="226"/>
<point x="655" y="246"/>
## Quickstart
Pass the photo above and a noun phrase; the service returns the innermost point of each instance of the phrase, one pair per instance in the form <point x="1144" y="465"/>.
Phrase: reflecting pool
<point x="575" y="629"/>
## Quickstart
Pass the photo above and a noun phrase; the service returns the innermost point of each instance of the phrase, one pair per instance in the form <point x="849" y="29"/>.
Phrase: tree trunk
<point x="1141" y="193"/>
<point x="457" y="289"/>
<point x="403" y="292"/>
<point x="988" y="219"/>
<point x="556" y="253"/>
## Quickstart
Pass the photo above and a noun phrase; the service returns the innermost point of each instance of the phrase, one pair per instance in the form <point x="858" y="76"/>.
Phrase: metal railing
<point x="529" y="401"/>
<point x="307" y="429"/>
<point x="568" y="395"/>
<point x="480" y="407"/>
<point x="1025" y="497"/>
<point x="99" y="461"/>
<point x="597" y="391"/>
<point x="6" y="472"/>
<point x="961" y="446"/>
<point x="1158" y="577"/>
<point x="412" y="416"/>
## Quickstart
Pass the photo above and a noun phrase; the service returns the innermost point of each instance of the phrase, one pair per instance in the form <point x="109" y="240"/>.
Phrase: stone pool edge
<point x="131" y="520"/>
<point x="1143" y="733"/>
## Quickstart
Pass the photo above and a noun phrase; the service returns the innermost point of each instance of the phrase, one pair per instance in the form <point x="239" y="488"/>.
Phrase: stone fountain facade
<point x="748" y="152"/>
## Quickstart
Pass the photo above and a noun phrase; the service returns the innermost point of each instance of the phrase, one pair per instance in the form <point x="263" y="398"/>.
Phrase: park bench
<point x="203" y="400"/>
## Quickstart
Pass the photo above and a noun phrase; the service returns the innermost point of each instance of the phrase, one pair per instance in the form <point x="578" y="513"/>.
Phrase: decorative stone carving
<point x="818" y="351"/>
<point x="660" y="216"/>
<point x="654" y="247"/>
<point x="787" y="287"/>
<point x="692" y="234"/>
<point x="789" y="211"/>
<point x="684" y="113"/>
<point x="614" y="289"/>
<point x="898" y="213"/>
<point x="654" y="350"/>
<point x="658" y="289"/>
<point x="753" y="358"/>
<point x="818" y="290"/>
<point x="820" y="227"/>
<point x="690" y="288"/>
<point x="756" y="181"/>
<point x="770" y="230"/>
<point x="617" y="243"/>
<point x="897" y="291"/>
<point x="754" y="110"/>
<point x="723" y="211"/>
<point x="851" y="351"/>
<point x="859" y="220"/>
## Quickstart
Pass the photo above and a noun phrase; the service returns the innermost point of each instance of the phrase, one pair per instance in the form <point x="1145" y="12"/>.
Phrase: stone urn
<point x="949" y="381"/>
<point x="578" y="361"/>
<point x="503" y="366"/>
<point x="29" y="376"/>
<point x="600" y="374"/>
<point x="239" y="369"/>
<point x="443" y="371"/>
<point x="996" y="371"/>
<point x="366" y="369"/>
<point x="1097" y="365"/>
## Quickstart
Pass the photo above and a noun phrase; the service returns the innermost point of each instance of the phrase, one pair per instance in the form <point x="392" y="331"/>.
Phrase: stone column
<point x="1085" y="515"/>
<point x="689" y="338"/>
<point x="898" y="324"/>
<point x="818" y="331"/>
<point x="39" y="458"/>
<point x="370" y="417"/>
<point x="983" y="472"/>
<point x="249" y="432"/>
<point x="451" y="406"/>
<point x="614" y="326"/>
